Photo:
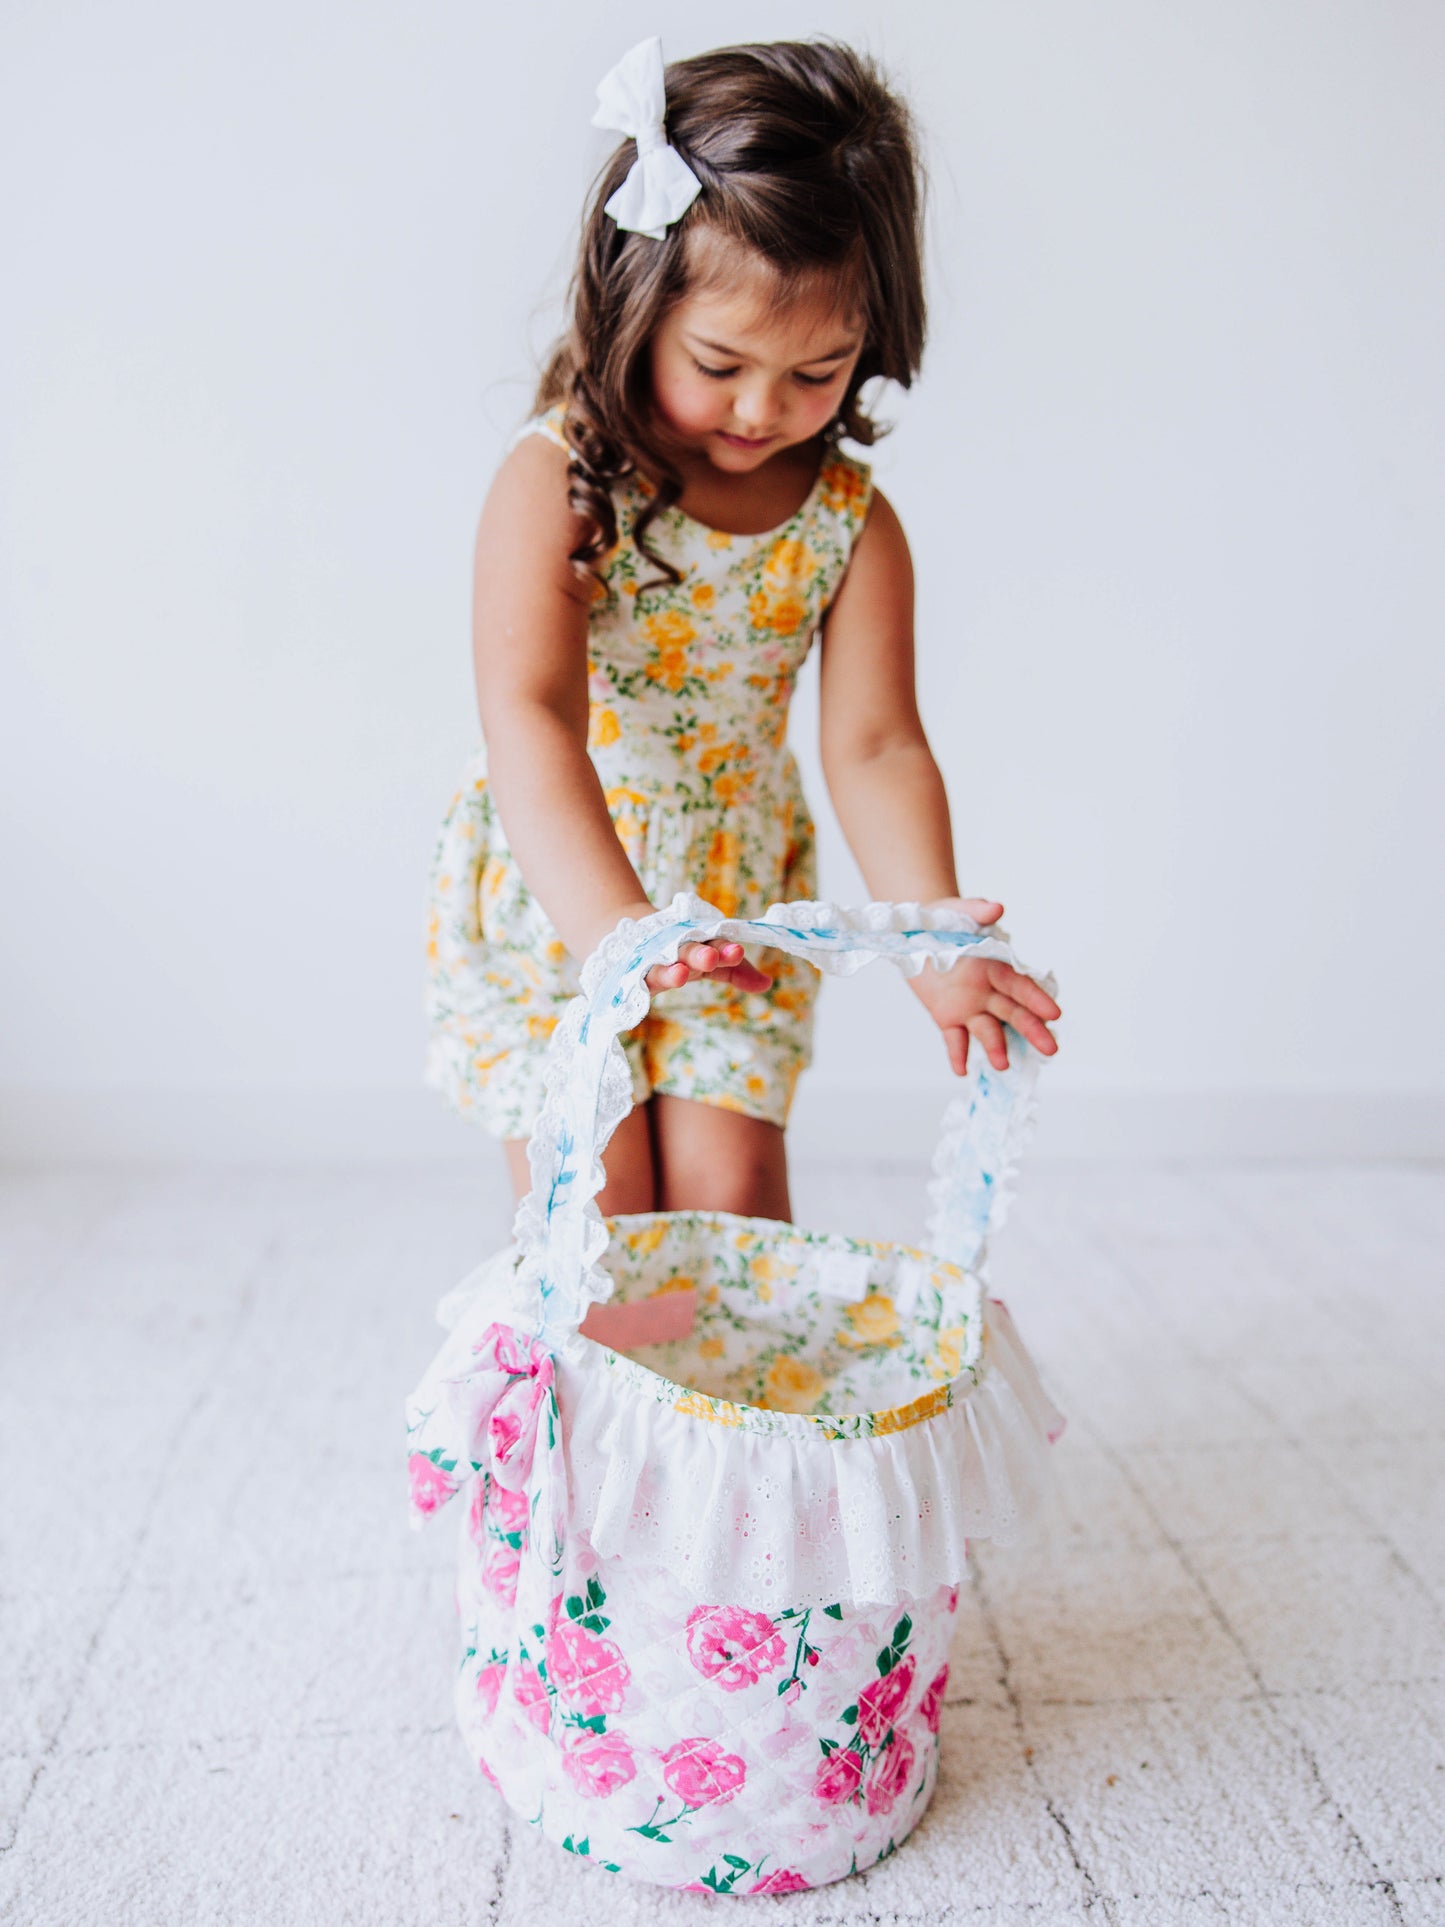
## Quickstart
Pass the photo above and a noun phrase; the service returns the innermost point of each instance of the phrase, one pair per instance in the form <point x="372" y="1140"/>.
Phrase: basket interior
<point x="767" y="1314"/>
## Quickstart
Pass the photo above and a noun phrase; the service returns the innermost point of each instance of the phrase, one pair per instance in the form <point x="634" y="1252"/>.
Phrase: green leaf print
<point x="585" y="1612"/>
<point x="893" y="1652"/>
<point x="833" y="1612"/>
<point x="584" y="1849"/>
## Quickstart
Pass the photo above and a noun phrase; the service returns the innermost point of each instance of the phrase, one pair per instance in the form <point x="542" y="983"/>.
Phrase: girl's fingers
<point x="1025" y="1023"/>
<point x="667" y="976"/>
<point x="701" y="957"/>
<point x="989" y="1033"/>
<point x="1037" y="1033"/>
<point x="981" y="909"/>
<point x="747" y="976"/>
<point x="1023" y="990"/>
<point x="705" y="958"/>
<point x="724" y="962"/>
<point x="956" y="1038"/>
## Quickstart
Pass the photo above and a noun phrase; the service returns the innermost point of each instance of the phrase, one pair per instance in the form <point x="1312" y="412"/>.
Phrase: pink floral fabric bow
<point x="500" y="1401"/>
<point x="512" y="1427"/>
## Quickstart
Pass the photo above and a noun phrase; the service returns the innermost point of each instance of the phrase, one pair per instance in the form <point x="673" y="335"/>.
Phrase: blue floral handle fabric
<point x="559" y="1230"/>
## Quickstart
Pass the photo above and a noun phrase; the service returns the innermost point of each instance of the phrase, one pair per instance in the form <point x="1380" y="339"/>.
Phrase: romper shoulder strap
<point x="845" y="491"/>
<point x="548" y="424"/>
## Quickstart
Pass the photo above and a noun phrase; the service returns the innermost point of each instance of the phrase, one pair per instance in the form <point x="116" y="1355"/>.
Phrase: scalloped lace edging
<point x="571" y="1233"/>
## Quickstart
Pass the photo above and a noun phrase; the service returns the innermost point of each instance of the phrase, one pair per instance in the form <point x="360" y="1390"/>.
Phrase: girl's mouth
<point x="744" y="441"/>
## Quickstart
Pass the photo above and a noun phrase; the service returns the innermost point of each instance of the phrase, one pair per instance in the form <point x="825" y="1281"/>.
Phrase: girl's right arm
<point x="530" y="615"/>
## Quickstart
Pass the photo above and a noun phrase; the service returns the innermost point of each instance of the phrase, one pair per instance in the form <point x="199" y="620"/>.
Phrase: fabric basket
<point x="723" y="1471"/>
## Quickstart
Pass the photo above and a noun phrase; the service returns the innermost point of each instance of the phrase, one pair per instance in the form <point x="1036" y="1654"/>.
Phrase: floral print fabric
<point x="692" y="1742"/>
<point x="689" y="687"/>
<point x="705" y="1747"/>
<point x="762" y="1339"/>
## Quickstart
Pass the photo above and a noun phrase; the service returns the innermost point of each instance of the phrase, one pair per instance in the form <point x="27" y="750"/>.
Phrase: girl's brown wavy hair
<point x="807" y="160"/>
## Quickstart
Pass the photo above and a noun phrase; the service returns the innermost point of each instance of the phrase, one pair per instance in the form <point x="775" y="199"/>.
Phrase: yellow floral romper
<point x="689" y="686"/>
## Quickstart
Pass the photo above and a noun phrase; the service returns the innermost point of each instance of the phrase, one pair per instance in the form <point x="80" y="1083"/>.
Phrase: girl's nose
<point x="756" y="409"/>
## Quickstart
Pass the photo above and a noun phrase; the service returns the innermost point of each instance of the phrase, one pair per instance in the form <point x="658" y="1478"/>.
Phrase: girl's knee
<point x="715" y="1160"/>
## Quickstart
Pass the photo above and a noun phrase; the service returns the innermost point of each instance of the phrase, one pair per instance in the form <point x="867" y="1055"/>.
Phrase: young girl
<point x="656" y="555"/>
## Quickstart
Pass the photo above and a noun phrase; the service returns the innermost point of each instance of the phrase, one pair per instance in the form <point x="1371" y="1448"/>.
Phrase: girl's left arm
<point x="889" y="793"/>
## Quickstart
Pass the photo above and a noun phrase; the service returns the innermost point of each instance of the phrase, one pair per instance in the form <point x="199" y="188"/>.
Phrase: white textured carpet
<point x="1210" y="1691"/>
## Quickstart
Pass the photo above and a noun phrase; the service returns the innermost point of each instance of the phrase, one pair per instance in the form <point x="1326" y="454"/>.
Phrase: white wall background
<point x="277" y="276"/>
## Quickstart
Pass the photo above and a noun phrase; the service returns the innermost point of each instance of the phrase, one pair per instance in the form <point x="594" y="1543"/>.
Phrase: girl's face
<point x="737" y="380"/>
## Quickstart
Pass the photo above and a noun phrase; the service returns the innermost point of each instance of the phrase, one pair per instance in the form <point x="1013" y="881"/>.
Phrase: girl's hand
<point x="724" y="962"/>
<point x="978" y="996"/>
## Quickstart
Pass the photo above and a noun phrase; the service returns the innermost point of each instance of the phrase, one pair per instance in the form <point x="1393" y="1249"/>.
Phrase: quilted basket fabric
<point x="639" y="1678"/>
<point x="692" y="1744"/>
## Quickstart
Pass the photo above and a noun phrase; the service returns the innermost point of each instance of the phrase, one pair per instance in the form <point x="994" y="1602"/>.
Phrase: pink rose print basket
<point x="723" y="1471"/>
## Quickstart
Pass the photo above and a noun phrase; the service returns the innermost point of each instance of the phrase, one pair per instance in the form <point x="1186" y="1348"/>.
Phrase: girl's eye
<point x="714" y="374"/>
<point x="815" y="381"/>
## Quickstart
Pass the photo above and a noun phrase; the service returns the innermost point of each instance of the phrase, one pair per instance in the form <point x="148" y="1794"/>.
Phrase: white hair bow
<point x="660" y="186"/>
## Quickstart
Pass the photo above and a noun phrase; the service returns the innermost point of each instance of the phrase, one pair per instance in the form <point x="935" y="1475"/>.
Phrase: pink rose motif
<point x="880" y="1703"/>
<point x="430" y="1485"/>
<point x="529" y="1690"/>
<point x="839" y="1777"/>
<point x="733" y="1646"/>
<point x="931" y="1705"/>
<point x="792" y="1692"/>
<point x="598" y="1763"/>
<point x="782" y="1881"/>
<point x="514" y="1351"/>
<point x="508" y="1511"/>
<point x="500" y="1566"/>
<point x="589" y="1673"/>
<point x="702" y="1773"/>
<point x="513" y="1426"/>
<point x="489" y="1687"/>
<point x="890" y="1774"/>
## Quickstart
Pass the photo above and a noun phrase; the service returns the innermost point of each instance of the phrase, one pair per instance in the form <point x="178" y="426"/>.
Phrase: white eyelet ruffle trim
<point x="767" y="1521"/>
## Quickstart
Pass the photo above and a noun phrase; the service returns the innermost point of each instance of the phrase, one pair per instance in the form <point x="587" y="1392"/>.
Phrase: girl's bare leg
<point x="628" y="1161"/>
<point x="708" y="1159"/>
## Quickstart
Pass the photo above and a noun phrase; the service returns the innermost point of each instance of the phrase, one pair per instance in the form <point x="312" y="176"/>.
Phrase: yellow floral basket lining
<point x="853" y="1338"/>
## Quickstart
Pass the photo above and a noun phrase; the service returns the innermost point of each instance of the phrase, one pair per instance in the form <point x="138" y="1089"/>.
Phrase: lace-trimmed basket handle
<point x="559" y="1229"/>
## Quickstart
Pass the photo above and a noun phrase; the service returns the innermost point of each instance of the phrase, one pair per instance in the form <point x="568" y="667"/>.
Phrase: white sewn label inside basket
<point x="844" y="1274"/>
<point x="908" y="1280"/>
